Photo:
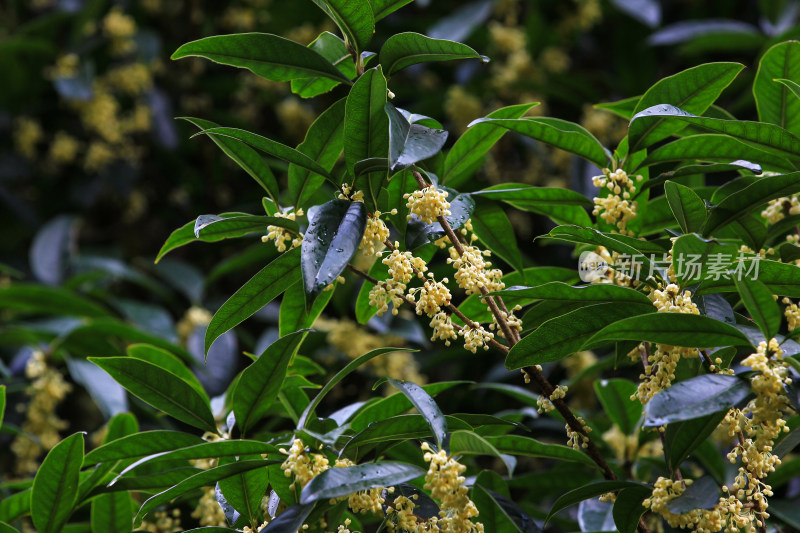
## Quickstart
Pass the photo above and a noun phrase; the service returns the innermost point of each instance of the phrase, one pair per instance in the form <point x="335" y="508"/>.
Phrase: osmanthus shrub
<point x="687" y="271"/>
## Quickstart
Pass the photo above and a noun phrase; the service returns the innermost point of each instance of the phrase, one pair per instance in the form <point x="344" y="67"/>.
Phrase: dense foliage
<point x="423" y="374"/>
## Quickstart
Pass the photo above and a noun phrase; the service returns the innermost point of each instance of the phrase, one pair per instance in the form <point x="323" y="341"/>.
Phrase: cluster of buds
<point x="446" y="483"/>
<point x="375" y="233"/>
<point x="545" y="405"/>
<point x="616" y="208"/>
<point x="428" y="204"/>
<point x="281" y="235"/>
<point x="432" y="296"/>
<point x="302" y="465"/>
<point x="578" y="439"/>
<point x="779" y="208"/>
<point x="349" y="193"/>
<point x="472" y="271"/>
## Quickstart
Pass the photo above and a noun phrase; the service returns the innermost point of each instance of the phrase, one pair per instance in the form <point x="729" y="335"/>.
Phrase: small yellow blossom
<point x="428" y="203"/>
<point x="281" y="235"/>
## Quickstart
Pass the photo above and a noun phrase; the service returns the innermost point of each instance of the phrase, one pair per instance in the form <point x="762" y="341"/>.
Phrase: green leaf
<point x="561" y="205"/>
<point x="467" y="153"/>
<point x="774" y="101"/>
<point x="493" y="517"/>
<point x="112" y="512"/>
<point x="628" y="508"/>
<point x="352" y="365"/>
<point x="760" y="304"/>
<point x="5" y="528"/>
<point x="714" y="147"/>
<point x="703" y="493"/>
<point x="338" y="482"/>
<point x="245" y="490"/>
<point x="259" y="290"/>
<point x="160" y="389"/>
<point x="793" y="86"/>
<point x="165" y="360"/>
<point x="466" y="442"/>
<point x="334" y="50"/>
<point x="2" y="403"/>
<point x="694" y="90"/>
<point x="426" y="406"/>
<point x="366" y="128"/>
<point x="55" y="487"/>
<point x="293" y="315"/>
<point x="273" y="148"/>
<point x="208" y="227"/>
<point x="695" y="259"/>
<point x="400" y="427"/>
<point x="682" y="438"/>
<point x="528" y="447"/>
<point x="323" y="143"/>
<point x="15" y="506"/>
<point x="764" y="136"/>
<point x="405" y="49"/>
<point x="202" y="479"/>
<point x="674" y="329"/>
<point x="590" y="490"/>
<point x="556" y="132"/>
<point x="260" y="382"/>
<point x="382" y="8"/>
<point x="330" y="242"/>
<point x="615" y="396"/>
<point x="41" y="299"/>
<point x="491" y="225"/>
<point x="780" y="278"/>
<point x="291" y="519"/>
<point x="140" y="445"/>
<point x="695" y="398"/>
<point x="622" y="108"/>
<point x="244" y="156"/>
<point x="354" y="18"/>
<point x="410" y="143"/>
<point x="688" y="208"/>
<point x="564" y="335"/>
<point x="264" y="54"/>
<point x="560" y="291"/>
<point x="750" y="198"/>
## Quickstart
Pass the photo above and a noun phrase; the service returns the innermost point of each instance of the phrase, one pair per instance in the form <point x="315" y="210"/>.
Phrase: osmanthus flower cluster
<point x="616" y="208"/>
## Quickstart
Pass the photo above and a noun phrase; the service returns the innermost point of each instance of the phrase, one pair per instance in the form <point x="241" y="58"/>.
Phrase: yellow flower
<point x="281" y="235"/>
<point x="428" y="203"/>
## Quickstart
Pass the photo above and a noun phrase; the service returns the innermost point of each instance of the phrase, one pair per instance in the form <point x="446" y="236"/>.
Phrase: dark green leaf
<point x="5" y="528"/>
<point x="323" y="143"/>
<point x="585" y="492"/>
<point x="695" y="259"/>
<point x="410" y="143"/>
<point x="492" y="515"/>
<point x="703" y="493"/>
<point x="160" y="389"/>
<point x="682" y="438"/>
<point x="780" y="278"/>
<point x="245" y="490"/>
<point x="628" y="508"/>
<point x="293" y="313"/>
<point x="41" y="299"/>
<point x="760" y="304"/>
<point x="622" y="108"/>
<point x="338" y="482"/>
<point x="560" y="291"/>
<point x="400" y="427"/>
<point x="213" y="227"/>
<point x="556" y="132"/>
<point x="695" y="398"/>
<point x="688" y="208"/>
<point x="264" y="54"/>
<point x="674" y="329"/>
<point x="15" y="506"/>
<point x="468" y="151"/>
<point x="330" y="242"/>
<point x="166" y="361"/>
<point x="562" y="205"/>
<point x="405" y="49"/>
<point x="615" y="396"/>
<point x="354" y="18"/>
<point x="382" y="8"/>
<point x="491" y="225"/>
<point x="291" y="519"/>
<point x="334" y="50"/>
<point x="112" y="512"/>
<point x="140" y="445"/>
<point x="260" y="382"/>
<point x="774" y="101"/>
<point x="426" y="406"/>
<point x="261" y="289"/>
<point x="561" y="336"/>
<point x="528" y="447"/>
<point x="694" y="90"/>
<point x="55" y="487"/>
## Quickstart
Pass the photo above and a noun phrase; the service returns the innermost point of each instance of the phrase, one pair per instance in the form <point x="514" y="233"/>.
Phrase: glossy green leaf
<point x="244" y="156"/>
<point x="112" y="512"/>
<point x="760" y="304"/>
<point x="245" y="490"/>
<point x="382" y="8"/>
<point x="338" y="482"/>
<point x="55" y="487"/>
<point x="352" y="365"/>
<point x="528" y="447"/>
<point x="715" y="147"/>
<point x="266" y="55"/>
<point x="750" y="198"/>
<point x="466" y="442"/>
<point x="293" y="315"/>
<point x="682" y="438"/>
<point x="622" y="108"/>
<point x="405" y="49"/>
<point x="491" y="225"/>
<point x="15" y="506"/>
<point x="493" y="517"/>
<point x="703" y="493"/>
<point x="764" y="136"/>
<point x="334" y="50"/>
<point x="330" y="242"/>
<point x="259" y="290"/>
<point x="780" y="278"/>
<point x="160" y="389"/>
<point x="694" y="90"/>
<point x="426" y="406"/>
<point x="410" y="143"/>
<point x="695" y="398"/>
<point x="561" y="205"/>
<point x="560" y="291"/>
<point x="41" y="299"/>
<point x="260" y="382"/>
<point x="590" y="490"/>
<point x="564" y="335"/>
<point x="774" y="101"/>
<point x="695" y="259"/>
<point x="688" y="208"/>
<point x="467" y="153"/>
<point x="674" y="329"/>
<point x="366" y="129"/>
<point x="400" y="427"/>
<point x="140" y="445"/>
<point x="615" y="397"/>
<point x="793" y="86"/>
<point x="323" y="143"/>
<point x="292" y="519"/>
<point x="202" y="479"/>
<point x="628" y="508"/>
<point x="354" y="18"/>
<point x="556" y="132"/>
<point x="165" y="360"/>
